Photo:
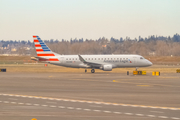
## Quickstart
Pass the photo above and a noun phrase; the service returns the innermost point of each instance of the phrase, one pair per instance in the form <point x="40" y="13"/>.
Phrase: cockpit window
<point x="141" y="58"/>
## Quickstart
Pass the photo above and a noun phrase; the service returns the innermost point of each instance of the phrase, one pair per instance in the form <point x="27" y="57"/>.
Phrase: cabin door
<point x="134" y="60"/>
<point x="61" y="59"/>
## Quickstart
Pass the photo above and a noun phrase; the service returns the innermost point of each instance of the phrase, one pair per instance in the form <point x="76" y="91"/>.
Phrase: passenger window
<point x="69" y="58"/>
<point x="117" y="58"/>
<point x="85" y="58"/>
<point x="76" y="58"/>
<point x="111" y="58"/>
<point x="66" y="58"/>
<point x="92" y="58"/>
<point x="89" y="58"/>
<point x="114" y="58"/>
<point x="101" y="58"/>
<point x="104" y="58"/>
<point x="141" y="57"/>
<point x="73" y="59"/>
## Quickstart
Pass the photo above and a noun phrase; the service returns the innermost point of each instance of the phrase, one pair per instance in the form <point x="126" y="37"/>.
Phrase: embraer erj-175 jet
<point x="103" y="62"/>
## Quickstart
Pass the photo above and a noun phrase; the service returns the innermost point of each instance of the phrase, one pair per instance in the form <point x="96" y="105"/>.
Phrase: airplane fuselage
<point x="117" y="61"/>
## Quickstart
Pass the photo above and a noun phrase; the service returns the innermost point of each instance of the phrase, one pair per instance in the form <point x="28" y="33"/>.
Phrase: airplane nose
<point x="149" y="63"/>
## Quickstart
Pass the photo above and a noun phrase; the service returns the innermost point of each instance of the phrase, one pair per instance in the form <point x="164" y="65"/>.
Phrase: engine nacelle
<point x="106" y="67"/>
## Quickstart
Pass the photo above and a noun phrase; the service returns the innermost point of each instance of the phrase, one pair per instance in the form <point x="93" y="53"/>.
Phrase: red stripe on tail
<point x="37" y="45"/>
<point x="39" y="50"/>
<point x="34" y="36"/>
<point x="36" y="41"/>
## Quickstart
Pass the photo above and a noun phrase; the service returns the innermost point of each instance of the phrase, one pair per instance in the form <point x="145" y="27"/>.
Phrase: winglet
<point x="81" y="59"/>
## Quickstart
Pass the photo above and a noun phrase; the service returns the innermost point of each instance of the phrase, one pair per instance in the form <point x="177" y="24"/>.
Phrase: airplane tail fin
<point x="43" y="51"/>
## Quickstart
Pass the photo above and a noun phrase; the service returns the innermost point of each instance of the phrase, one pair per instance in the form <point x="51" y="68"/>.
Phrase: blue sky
<point x="91" y="19"/>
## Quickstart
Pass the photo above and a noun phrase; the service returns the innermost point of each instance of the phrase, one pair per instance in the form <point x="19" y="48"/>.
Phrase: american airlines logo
<point x="121" y="61"/>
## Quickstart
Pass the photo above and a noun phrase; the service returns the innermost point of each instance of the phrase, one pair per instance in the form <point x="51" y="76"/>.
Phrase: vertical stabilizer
<point x="43" y="50"/>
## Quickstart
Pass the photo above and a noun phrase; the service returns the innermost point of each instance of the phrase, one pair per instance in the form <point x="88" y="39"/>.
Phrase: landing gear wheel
<point x="92" y="71"/>
<point x="136" y="68"/>
<point x="85" y="71"/>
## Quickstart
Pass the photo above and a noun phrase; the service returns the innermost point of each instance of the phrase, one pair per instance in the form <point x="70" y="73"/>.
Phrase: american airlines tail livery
<point x="103" y="62"/>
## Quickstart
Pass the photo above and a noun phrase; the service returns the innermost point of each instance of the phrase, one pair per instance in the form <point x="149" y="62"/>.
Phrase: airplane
<point x="102" y="62"/>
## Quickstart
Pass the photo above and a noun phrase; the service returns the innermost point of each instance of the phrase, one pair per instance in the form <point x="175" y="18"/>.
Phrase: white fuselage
<point x="116" y="61"/>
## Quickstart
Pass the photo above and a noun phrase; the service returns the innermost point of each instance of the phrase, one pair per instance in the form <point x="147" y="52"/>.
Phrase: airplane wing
<point x="92" y="64"/>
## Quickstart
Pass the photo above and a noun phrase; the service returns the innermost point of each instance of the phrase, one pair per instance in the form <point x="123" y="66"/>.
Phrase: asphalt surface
<point x="86" y="96"/>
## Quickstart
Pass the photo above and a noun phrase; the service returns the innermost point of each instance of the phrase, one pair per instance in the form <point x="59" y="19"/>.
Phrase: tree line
<point x="152" y="45"/>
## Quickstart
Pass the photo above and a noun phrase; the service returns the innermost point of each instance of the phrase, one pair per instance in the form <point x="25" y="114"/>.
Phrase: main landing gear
<point x="92" y="71"/>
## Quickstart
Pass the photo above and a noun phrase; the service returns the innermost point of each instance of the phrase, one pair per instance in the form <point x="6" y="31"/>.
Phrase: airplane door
<point x="61" y="59"/>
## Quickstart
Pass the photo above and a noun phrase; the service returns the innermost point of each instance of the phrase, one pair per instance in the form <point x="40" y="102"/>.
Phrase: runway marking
<point x="106" y="103"/>
<point x="97" y="110"/>
<point x="70" y="108"/>
<point x="144" y="106"/>
<point x="90" y="102"/>
<point x="61" y="106"/>
<point x="78" y="108"/>
<point x="36" y="104"/>
<point x="128" y="113"/>
<point x="174" y="118"/>
<point x="6" y="101"/>
<point x="13" y="102"/>
<point x="162" y="117"/>
<point x="117" y="112"/>
<point x="139" y="114"/>
<point x="58" y="99"/>
<point x="145" y="83"/>
<point x="52" y="106"/>
<point x="20" y="103"/>
<point x="151" y="115"/>
<point x="44" y="98"/>
<point x="87" y="109"/>
<point x="51" y="99"/>
<point x="109" y="112"/>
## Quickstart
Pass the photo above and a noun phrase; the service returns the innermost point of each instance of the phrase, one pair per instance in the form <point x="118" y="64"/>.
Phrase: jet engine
<point x="106" y="67"/>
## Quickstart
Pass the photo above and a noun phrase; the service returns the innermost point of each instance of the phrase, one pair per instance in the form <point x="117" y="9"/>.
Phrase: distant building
<point x="14" y="50"/>
<point x="152" y="53"/>
<point x="103" y="45"/>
